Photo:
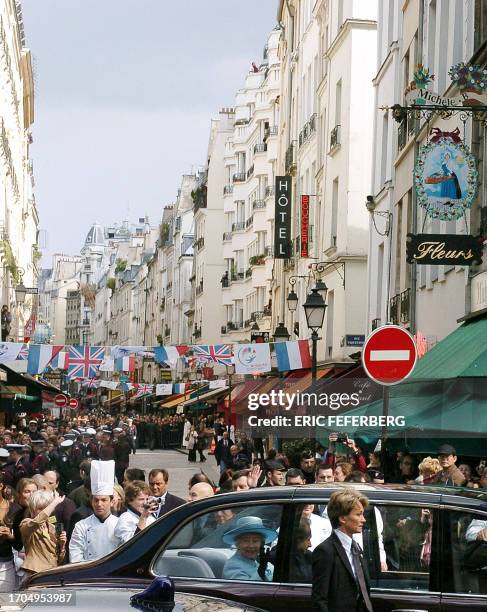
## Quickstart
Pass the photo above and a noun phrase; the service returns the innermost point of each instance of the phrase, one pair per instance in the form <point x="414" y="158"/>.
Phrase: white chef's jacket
<point x="127" y="525"/>
<point x="92" y="539"/>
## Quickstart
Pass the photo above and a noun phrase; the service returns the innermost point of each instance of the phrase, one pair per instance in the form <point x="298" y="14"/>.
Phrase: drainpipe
<point x="414" y="203"/>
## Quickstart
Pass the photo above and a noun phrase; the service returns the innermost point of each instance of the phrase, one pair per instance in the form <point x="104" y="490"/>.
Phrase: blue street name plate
<point x="354" y="340"/>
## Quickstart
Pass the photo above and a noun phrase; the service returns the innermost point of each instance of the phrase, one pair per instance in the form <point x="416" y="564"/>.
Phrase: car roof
<point x="456" y="496"/>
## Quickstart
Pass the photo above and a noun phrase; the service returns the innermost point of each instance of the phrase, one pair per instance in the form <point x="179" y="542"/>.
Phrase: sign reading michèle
<point x="304" y="225"/>
<point x="282" y="223"/>
<point x="443" y="249"/>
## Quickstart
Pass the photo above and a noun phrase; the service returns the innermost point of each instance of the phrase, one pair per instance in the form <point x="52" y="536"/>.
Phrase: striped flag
<point x="292" y="355"/>
<point x="40" y="356"/>
<point x="60" y="361"/>
<point x="169" y="354"/>
<point x="125" y="364"/>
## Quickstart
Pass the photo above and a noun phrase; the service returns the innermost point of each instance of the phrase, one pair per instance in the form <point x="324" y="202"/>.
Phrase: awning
<point x="214" y="394"/>
<point x="463" y="353"/>
<point x="175" y="401"/>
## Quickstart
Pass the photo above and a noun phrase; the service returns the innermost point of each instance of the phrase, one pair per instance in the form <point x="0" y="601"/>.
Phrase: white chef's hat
<point x="102" y="477"/>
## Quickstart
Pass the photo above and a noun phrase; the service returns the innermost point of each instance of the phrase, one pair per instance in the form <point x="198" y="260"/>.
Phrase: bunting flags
<point x="40" y="355"/>
<point x="252" y="358"/>
<point x="60" y="361"/>
<point x="9" y="351"/>
<point x="169" y="354"/>
<point x="125" y="364"/>
<point x="164" y="389"/>
<point x="24" y="353"/>
<point x="292" y="355"/>
<point x="217" y="353"/>
<point x="85" y="360"/>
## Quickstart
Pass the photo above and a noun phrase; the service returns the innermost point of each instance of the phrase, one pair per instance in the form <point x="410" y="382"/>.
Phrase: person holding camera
<point x="139" y="514"/>
<point x="357" y="459"/>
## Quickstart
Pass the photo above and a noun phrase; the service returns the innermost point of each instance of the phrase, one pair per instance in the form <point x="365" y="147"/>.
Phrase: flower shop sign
<point x="470" y="80"/>
<point x="445" y="176"/>
<point x="443" y="249"/>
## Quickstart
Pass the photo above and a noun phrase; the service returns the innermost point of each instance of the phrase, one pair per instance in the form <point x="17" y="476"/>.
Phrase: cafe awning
<point x="211" y="395"/>
<point x="463" y="353"/>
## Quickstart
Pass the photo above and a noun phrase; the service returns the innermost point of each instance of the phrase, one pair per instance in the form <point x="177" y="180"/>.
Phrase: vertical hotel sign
<point x="304" y="225"/>
<point x="282" y="219"/>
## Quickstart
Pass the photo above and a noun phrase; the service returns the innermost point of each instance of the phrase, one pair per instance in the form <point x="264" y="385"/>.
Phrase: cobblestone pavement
<point x="176" y="463"/>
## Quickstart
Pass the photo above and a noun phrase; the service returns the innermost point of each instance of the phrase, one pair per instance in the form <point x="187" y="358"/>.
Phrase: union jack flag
<point x="144" y="388"/>
<point x="214" y="353"/>
<point x="85" y="361"/>
<point x="24" y="352"/>
<point x="92" y="383"/>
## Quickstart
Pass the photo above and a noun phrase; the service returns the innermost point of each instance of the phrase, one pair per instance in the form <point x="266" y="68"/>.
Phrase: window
<point x="220" y="544"/>
<point x="468" y="553"/>
<point x="407" y="537"/>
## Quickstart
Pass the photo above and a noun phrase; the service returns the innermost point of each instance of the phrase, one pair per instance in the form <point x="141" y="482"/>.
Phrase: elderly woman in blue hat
<point x="248" y="536"/>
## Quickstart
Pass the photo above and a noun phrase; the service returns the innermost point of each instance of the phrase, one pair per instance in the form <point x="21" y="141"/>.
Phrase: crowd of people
<point x="67" y="493"/>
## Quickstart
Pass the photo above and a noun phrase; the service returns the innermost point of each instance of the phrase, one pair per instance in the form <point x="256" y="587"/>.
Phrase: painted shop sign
<point x="443" y="249"/>
<point x="470" y="80"/>
<point x="445" y="176"/>
<point x="282" y="223"/>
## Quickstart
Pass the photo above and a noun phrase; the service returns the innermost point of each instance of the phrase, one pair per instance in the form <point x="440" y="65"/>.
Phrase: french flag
<point x="60" y="361"/>
<point x="179" y="388"/>
<point x="40" y="356"/>
<point x="169" y="354"/>
<point x="292" y="355"/>
<point x="125" y="364"/>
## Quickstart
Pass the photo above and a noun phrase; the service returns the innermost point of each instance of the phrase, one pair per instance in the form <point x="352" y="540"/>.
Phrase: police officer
<point x="15" y="469"/>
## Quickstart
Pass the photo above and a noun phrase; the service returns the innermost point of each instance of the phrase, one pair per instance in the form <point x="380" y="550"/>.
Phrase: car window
<point x="468" y="546"/>
<point x="401" y="555"/>
<point x="234" y="543"/>
<point x="311" y="527"/>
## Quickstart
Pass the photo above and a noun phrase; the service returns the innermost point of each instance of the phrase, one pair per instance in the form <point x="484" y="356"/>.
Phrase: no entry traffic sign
<point x="73" y="403"/>
<point x="389" y="355"/>
<point x="60" y="400"/>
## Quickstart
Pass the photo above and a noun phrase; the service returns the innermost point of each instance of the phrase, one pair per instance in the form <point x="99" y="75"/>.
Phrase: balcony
<point x="257" y="260"/>
<point x="227" y="236"/>
<point x="238" y="227"/>
<point x="258" y="205"/>
<point x="394" y="304"/>
<point x="335" y="137"/>
<point x="291" y="159"/>
<point x="227" y="189"/>
<point x="272" y="130"/>
<point x="198" y="196"/>
<point x="199" y="243"/>
<point x="238" y="276"/>
<point x="242" y="121"/>
<point x="249" y="222"/>
<point x="402" y="134"/>
<point x="239" y="177"/>
<point x="260" y="147"/>
<point x="312" y="124"/>
<point x="269" y="191"/>
<point x="405" y="305"/>
<point x="250" y="171"/>
<point x="199" y="288"/>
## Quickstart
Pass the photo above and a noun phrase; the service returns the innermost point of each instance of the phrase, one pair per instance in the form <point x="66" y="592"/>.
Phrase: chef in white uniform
<point x="93" y="537"/>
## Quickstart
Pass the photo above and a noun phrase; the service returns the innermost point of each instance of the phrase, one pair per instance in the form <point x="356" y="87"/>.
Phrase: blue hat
<point x="250" y="524"/>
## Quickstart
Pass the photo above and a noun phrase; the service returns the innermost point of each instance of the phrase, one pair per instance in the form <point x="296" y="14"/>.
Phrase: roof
<point x="96" y="236"/>
<point x="463" y="353"/>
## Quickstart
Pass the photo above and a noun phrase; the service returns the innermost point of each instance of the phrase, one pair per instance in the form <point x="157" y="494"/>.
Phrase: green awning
<point x="463" y="353"/>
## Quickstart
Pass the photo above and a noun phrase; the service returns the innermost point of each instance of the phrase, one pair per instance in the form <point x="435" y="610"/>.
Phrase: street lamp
<point x="314" y="309"/>
<point x="230" y="372"/>
<point x="281" y="334"/>
<point x="20" y="293"/>
<point x="322" y="289"/>
<point x="292" y="300"/>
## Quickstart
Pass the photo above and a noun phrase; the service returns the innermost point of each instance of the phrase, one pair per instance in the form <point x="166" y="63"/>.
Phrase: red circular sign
<point x="73" y="403"/>
<point x="60" y="400"/>
<point x="389" y="355"/>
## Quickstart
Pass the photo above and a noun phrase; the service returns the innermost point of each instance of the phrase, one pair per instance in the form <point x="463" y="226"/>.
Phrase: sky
<point x="124" y="94"/>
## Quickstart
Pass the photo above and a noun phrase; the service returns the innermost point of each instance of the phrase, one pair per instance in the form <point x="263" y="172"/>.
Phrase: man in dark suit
<point x="223" y="455"/>
<point x="340" y="581"/>
<point x="158" y="480"/>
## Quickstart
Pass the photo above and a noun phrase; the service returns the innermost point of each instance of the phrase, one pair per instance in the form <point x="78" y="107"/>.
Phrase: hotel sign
<point x="443" y="249"/>
<point x="282" y="223"/>
<point x="304" y="225"/>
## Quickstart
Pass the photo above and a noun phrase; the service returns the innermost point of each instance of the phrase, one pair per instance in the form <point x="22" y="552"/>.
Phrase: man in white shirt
<point x="477" y="530"/>
<point x="94" y="537"/>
